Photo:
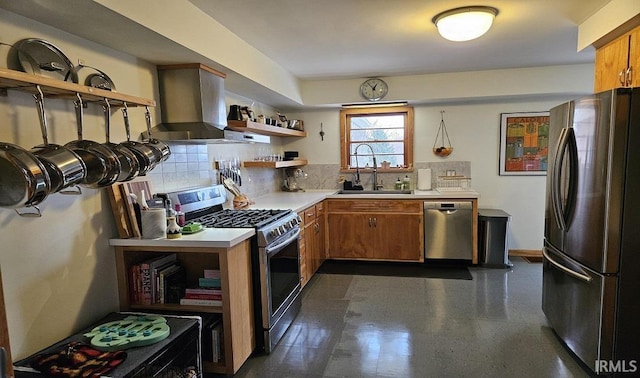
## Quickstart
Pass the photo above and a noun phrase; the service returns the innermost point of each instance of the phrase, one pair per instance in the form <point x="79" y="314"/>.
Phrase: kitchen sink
<point x="345" y="191"/>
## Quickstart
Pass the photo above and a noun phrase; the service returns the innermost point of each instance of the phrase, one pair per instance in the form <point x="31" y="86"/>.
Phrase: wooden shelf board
<point x="274" y="164"/>
<point x="263" y="129"/>
<point x="24" y="82"/>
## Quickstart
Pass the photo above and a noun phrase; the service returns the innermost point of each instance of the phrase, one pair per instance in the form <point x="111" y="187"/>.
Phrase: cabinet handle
<point x="370" y="222"/>
<point x="375" y="222"/>
<point x="628" y="76"/>
<point x="622" y="78"/>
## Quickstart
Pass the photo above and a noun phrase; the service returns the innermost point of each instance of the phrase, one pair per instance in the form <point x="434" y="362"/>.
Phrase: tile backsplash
<point x="192" y="165"/>
<point x="188" y="166"/>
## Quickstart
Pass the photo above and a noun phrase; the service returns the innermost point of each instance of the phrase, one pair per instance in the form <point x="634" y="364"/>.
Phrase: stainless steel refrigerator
<point x="591" y="264"/>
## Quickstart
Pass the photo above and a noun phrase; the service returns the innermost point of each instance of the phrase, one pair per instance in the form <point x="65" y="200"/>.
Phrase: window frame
<point x="345" y="135"/>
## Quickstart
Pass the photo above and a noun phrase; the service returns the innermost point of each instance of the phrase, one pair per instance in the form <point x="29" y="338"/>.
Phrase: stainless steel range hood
<point x="192" y="102"/>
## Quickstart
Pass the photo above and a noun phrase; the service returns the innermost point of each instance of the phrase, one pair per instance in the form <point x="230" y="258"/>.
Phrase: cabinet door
<point x="350" y="236"/>
<point x="321" y="251"/>
<point x="398" y="237"/>
<point x="611" y="60"/>
<point x="634" y="57"/>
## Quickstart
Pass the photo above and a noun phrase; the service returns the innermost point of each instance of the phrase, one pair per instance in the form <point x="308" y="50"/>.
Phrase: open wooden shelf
<point x="260" y="128"/>
<point x="24" y="82"/>
<point x="274" y="164"/>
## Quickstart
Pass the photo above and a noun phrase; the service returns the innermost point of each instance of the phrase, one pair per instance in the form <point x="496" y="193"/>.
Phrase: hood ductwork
<point x="192" y="102"/>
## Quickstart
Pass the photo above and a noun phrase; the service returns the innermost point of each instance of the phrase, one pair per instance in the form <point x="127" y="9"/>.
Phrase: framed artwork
<point x="524" y="143"/>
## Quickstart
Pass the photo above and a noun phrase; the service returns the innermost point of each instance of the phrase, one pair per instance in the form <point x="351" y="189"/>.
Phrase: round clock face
<point x="374" y="89"/>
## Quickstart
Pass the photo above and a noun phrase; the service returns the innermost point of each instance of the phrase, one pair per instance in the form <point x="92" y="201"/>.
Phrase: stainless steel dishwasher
<point x="448" y="230"/>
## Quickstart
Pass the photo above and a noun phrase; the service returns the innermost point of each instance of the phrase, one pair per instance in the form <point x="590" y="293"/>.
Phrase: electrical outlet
<point x="81" y="62"/>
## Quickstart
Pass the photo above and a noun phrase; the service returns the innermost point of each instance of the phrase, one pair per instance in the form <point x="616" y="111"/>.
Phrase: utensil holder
<point x="154" y="223"/>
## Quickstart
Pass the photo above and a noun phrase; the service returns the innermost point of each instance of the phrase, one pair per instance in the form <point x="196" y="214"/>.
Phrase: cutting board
<point x="122" y="204"/>
<point x="120" y="211"/>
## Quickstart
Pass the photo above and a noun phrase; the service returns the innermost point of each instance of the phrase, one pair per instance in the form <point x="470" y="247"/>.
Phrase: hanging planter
<point x="442" y="149"/>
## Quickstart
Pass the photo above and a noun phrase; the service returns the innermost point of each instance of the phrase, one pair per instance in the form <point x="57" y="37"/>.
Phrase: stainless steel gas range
<point x="275" y="256"/>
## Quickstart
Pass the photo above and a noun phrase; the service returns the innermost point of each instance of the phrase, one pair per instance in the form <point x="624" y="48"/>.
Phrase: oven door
<point x="279" y="276"/>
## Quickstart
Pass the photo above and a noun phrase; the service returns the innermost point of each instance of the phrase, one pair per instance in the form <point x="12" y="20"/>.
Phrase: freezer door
<point x="579" y="305"/>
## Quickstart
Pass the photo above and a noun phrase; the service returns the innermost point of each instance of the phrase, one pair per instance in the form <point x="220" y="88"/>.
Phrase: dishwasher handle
<point x="449" y="207"/>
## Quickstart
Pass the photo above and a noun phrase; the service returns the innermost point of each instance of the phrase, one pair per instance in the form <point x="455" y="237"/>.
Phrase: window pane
<point x="389" y="134"/>
<point x="366" y="135"/>
<point x="377" y="122"/>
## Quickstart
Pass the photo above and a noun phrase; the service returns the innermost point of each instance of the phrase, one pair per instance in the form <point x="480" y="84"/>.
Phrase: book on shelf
<point x="200" y="302"/>
<point x="155" y="265"/>
<point x="145" y="282"/>
<point x="134" y="284"/>
<point x="216" y="297"/>
<point x="203" y="290"/>
<point x="209" y="282"/>
<point x="148" y="272"/>
<point x="174" y="285"/>
<point x="211" y="330"/>
<point x="162" y="275"/>
<point x="212" y="273"/>
<point x="217" y="341"/>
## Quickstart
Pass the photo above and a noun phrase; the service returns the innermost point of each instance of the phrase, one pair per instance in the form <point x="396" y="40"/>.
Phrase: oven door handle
<point x="274" y="248"/>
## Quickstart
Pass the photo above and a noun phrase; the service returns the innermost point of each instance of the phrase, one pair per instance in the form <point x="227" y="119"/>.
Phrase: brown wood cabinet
<point x="389" y="230"/>
<point x="312" y="248"/>
<point x="618" y="62"/>
<point x="237" y="300"/>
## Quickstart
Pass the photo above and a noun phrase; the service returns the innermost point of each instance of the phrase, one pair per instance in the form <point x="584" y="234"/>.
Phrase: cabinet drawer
<point x="309" y="215"/>
<point x="349" y="205"/>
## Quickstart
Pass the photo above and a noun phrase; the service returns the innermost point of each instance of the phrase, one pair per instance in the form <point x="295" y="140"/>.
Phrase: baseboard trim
<point x="525" y="252"/>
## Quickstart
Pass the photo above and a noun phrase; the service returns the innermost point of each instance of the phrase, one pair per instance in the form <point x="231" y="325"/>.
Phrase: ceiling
<point x="337" y="39"/>
<point x="357" y="38"/>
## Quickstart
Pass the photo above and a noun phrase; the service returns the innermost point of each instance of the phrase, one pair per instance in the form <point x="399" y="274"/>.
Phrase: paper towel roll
<point x="154" y="223"/>
<point x="424" y="179"/>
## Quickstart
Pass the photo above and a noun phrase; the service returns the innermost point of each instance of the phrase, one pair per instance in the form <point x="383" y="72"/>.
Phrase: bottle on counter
<point x="180" y="217"/>
<point x="406" y="183"/>
<point x="173" y="230"/>
<point x="169" y="208"/>
<point x="398" y="185"/>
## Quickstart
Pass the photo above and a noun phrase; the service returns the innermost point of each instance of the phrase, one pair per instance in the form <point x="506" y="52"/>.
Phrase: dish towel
<point x="78" y="360"/>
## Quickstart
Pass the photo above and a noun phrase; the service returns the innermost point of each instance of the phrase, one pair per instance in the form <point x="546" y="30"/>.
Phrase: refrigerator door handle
<point x="566" y="144"/>
<point x="556" y="199"/>
<point x="572" y="273"/>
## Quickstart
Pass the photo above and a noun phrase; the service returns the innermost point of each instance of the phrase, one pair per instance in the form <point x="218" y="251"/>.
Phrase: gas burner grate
<point x="229" y="218"/>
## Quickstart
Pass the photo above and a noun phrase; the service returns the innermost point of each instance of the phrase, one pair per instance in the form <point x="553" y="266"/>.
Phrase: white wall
<point x="58" y="271"/>
<point x="474" y="130"/>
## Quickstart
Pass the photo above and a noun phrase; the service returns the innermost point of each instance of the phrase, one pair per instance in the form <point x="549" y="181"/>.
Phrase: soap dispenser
<point x="398" y="185"/>
<point x="406" y="183"/>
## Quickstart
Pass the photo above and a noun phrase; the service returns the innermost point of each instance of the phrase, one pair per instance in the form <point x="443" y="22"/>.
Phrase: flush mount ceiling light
<point x="465" y="23"/>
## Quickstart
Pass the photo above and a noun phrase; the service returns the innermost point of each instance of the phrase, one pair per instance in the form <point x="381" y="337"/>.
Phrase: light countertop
<point x="296" y="201"/>
<point x="208" y="238"/>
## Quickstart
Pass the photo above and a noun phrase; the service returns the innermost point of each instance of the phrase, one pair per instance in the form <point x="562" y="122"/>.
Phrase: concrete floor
<point x="364" y="326"/>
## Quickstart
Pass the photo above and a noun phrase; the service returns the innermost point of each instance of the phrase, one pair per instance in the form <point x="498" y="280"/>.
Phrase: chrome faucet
<point x="375" y="166"/>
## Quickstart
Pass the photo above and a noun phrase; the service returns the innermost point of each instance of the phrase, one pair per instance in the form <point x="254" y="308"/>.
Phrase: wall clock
<point x="374" y="89"/>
